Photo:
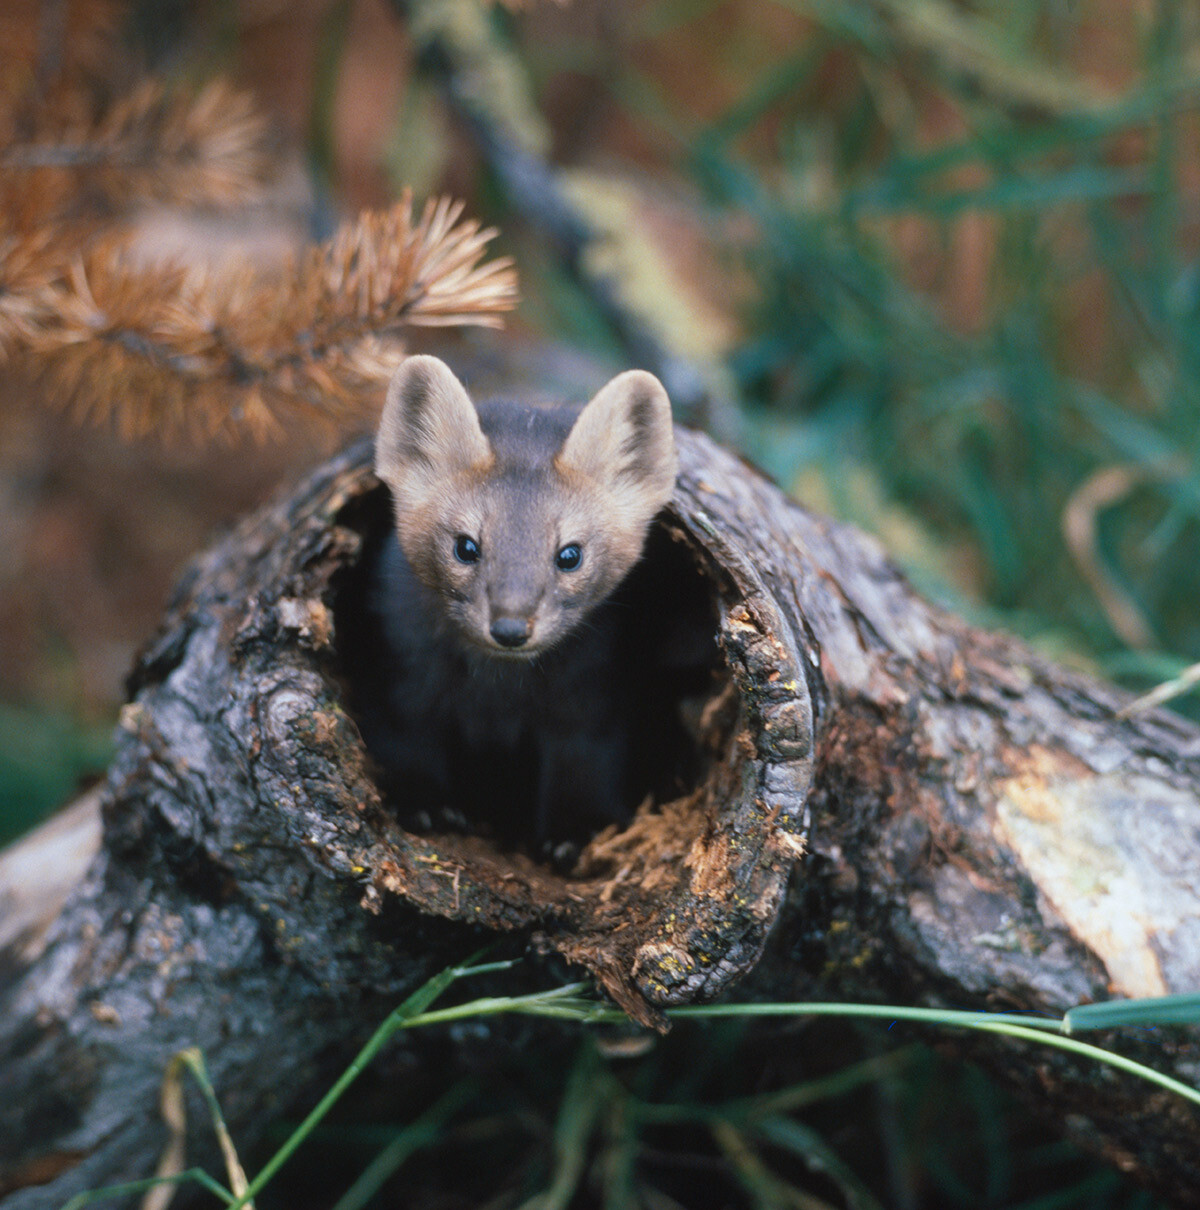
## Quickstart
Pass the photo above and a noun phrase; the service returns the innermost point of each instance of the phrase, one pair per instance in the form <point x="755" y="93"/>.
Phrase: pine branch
<point x="208" y="148"/>
<point x="28" y="265"/>
<point x="175" y="349"/>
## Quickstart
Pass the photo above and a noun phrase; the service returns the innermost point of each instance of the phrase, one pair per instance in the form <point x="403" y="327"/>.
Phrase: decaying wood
<point x="981" y="830"/>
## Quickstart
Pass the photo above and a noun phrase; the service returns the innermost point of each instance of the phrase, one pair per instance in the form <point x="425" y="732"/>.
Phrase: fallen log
<point x="856" y="795"/>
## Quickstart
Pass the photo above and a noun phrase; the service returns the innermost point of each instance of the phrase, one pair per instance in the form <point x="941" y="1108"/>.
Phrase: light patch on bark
<point x="1108" y="853"/>
<point x="40" y="870"/>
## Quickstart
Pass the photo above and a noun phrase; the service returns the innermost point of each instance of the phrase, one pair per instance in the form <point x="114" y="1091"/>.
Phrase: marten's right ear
<point x="623" y="441"/>
<point x="429" y="430"/>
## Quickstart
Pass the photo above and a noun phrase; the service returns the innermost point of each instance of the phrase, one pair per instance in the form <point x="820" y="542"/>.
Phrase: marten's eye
<point x="569" y="557"/>
<point x="466" y="550"/>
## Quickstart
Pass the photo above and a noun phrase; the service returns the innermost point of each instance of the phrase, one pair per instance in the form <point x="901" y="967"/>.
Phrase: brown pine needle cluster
<point x="63" y="162"/>
<point x="180" y="350"/>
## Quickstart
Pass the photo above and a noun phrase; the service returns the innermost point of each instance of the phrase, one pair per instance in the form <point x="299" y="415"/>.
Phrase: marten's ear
<point x="429" y="430"/>
<point x="624" y="441"/>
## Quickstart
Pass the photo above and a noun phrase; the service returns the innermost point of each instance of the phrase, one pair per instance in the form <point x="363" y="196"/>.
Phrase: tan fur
<point x="429" y="434"/>
<point x="623" y="444"/>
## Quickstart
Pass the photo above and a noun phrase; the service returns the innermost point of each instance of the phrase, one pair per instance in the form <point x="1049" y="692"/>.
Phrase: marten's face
<point x="518" y="559"/>
<point x="522" y="519"/>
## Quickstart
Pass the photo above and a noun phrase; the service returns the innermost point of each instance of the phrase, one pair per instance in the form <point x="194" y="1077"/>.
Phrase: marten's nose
<point x="510" y="632"/>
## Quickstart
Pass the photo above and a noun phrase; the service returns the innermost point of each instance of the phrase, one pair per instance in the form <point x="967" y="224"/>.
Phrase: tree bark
<point x="889" y="804"/>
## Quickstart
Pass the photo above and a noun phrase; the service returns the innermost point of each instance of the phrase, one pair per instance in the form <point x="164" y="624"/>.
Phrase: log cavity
<point x="678" y="704"/>
<point x="248" y="700"/>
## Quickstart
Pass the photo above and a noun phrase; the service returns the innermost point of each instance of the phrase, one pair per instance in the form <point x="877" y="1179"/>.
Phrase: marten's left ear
<point x="428" y="433"/>
<point x="623" y="440"/>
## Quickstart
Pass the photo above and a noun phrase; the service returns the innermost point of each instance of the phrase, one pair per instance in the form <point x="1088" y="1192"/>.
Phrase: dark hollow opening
<point x="670" y="708"/>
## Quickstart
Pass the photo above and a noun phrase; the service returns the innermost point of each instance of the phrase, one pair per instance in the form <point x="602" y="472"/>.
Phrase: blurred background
<point x="934" y="265"/>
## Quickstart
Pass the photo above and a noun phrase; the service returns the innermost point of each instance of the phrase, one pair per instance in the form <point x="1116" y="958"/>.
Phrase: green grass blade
<point x="410" y="1009"/>
<point x="620" y="1156"/>
<point x="1031" y="1029"/>
<point x="1100" y="1055"/>
<point x="1183" y="1009"/>
<point x="425" y="1130"/>
<point x="878" y="1012"/>
<point x="836" y="1084"/>
<point x="804" y="1142"/>
<point x="763" y="1188"/>
<point x="131" y="1188"/>
<point x="775" y="85"/>
<point x="1032" y="191"/>
<point x="577" y="1113"/>
<point x="566" y="1002"/>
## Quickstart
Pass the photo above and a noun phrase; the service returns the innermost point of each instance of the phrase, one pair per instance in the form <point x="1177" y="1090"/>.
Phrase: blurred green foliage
<point x="985" y="425"/>
<point x="43" y="755"/>
<point x="863" y="163"/>
<point x="712" y="1115"/>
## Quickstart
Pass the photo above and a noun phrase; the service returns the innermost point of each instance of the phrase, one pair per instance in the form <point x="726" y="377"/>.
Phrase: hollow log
<point x="878" y="802"/>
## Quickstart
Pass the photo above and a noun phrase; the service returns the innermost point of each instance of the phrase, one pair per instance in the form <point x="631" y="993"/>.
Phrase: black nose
<point x="510" y="632"/>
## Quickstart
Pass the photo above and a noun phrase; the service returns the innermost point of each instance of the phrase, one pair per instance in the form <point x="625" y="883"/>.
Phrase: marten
<point x="506" y="655"/>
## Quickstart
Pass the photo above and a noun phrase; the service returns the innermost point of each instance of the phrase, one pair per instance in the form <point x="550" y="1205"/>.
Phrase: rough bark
<point x="983" y="830"/>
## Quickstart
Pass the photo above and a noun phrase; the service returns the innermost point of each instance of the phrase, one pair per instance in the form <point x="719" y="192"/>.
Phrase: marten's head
<point x="522" y="518"/>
